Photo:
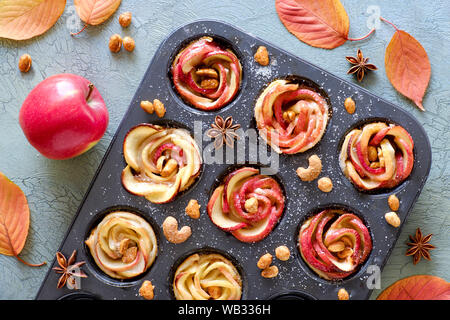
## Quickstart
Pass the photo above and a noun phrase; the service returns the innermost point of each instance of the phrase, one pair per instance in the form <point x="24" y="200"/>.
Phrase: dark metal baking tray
<point x="303" y="198"/>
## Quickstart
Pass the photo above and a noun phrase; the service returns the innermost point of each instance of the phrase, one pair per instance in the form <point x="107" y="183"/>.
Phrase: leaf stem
<point x="30" y="264"/>
<point x="383" y="19"/>
<point x="77" y="33"/>
<point x="362" y="38"/>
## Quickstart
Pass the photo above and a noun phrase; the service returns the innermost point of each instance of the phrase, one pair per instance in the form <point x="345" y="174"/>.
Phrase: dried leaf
<point x="407" y="66"/>
<point x="322" y="24"/>
<point x="25" y="19"/>
<point x="14" y="218"/>
<point x="95" y="12"/>
<point x="420" y="287"/>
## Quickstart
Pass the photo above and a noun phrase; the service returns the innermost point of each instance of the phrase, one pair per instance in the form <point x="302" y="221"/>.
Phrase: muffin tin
<point x="295" y="279"/>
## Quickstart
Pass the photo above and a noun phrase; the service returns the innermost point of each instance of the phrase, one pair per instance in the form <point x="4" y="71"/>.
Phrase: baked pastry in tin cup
<point x="291" y="117"/>
<point x="161" y="162"/>
<point x="377" y="156"/>
<point x="334" y="243"/>
<point x="206" y="75"/>
<point x="247" y="204"/>
<point x="123" y="245"/>
<point x="207" y="276"/>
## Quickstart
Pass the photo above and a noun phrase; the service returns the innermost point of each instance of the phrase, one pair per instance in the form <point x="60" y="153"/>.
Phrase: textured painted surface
<point x="56" y="188"/>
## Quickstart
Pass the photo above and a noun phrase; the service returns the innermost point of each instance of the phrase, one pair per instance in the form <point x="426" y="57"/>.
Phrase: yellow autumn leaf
<point x="25" y="19"/>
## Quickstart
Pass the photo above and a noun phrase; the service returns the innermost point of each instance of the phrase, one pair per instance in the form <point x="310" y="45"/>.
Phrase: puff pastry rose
<point x="206" y="75"/>
<point x="377" y="156"/>
<point x="290" y="117"/>
<point x="334" y="243"/>
<point x="123" y="245"/>
<point x="247" y="204"/>
<point x="161" y="162"/>
<point x="207" y="277"/>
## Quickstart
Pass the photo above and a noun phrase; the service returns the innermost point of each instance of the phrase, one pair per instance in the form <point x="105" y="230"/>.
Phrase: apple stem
<point x="362" y="38"/>
<point x="383" y="19"/>
<point x="30" y="264"/>
<point x="91" y="88"/>
<point x="77" y="33"/>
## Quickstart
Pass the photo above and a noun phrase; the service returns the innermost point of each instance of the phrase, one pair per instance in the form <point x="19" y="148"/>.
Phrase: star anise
<point x="419" y="246"/>
<point x="360" y="65"/>
<point x="223" y="131"/>
<point x="69" y="270"/>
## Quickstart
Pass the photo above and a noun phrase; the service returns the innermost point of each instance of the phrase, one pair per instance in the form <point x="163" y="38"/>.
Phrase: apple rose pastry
<point x="206" y="75"/>
<point x="207" y="277"/>
<point x="290" y="117"/>
<point x="377" y="156"/>
<point x="334" y="243"/>
<point x="160" y="162"/>
<point x="247" y="204"/>
<point x="123" y="245"/>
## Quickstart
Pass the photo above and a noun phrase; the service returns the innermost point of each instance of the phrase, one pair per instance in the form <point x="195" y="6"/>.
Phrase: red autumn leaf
<point x="322" y="24"/>
<point x="407" y="66"/>
<point x="14" y="219"/>
<point x="420" y="287"/>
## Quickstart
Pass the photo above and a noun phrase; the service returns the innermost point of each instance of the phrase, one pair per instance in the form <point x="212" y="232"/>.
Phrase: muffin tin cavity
<point x="124" y="214"/>
<point x="182" y="265"/>
<point x="330" y="251"/>
<point x="302" y="198"/>
<point x="378" y="153"/>
<point x="206" y="73"/>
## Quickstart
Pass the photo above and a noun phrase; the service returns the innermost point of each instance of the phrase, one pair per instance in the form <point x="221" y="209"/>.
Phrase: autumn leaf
<point x="25" y="19"/>
<point x="322" y="24"/>
<point x="407" y="66"/>
<point x="95" y="12"/>
<point x="14" y="219"/>
<point x="419" y="287"/>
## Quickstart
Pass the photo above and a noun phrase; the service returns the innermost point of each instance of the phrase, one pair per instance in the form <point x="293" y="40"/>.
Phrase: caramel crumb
<point x="270" y="272"/>
<point x="393" y="202"/>
<point x="193" y="209"/>
<point x="282" y="253"/>
<point x="146" y="290"/>
<point x="125" y="19"/>
<point x="349" y="105"/>
<point x="325" y="184"/>
<point x="343" y="294"/>
<point x="159" y="108"/>
<point x="262" y="56"/>
<point x="265" y="261"/>
<point x="25" y="62"/>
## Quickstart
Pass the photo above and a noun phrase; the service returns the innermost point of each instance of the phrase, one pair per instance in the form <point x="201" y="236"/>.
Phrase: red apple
<point x="64" y="116"/>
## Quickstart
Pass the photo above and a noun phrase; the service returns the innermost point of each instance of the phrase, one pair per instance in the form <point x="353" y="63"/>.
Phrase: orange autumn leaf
<point x="420" y="287"/>
<point x="407" y="66"/>
<point x="322" y="24"/>
<point x="14" y="218"/>
<point x="25" y="19"/>
<point x="95" y="12"/>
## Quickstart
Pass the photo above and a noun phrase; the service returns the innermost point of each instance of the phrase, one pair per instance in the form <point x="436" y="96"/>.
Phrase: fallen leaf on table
<point x="95" y="12"/>
<point x="322" y="24"/>
<point x="25" y="19"/>
<point x="14" y="219"/>
<point x="407" y="66"/>
<point x="420" y="287"/>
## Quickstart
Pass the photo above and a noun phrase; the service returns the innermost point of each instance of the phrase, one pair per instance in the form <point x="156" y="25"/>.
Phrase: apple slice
<point x="133" y="140"/>
<point x="257" y="231"/>
<point x="232" y="181"/>
<point x="218" y="217"/>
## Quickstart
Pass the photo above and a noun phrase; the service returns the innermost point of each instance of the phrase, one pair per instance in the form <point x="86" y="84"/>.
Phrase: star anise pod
<point x="360" y="65"/>
<point x="419" y="246"/>
<point x="223" y="131"/>
<point x="69" y="270"/>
